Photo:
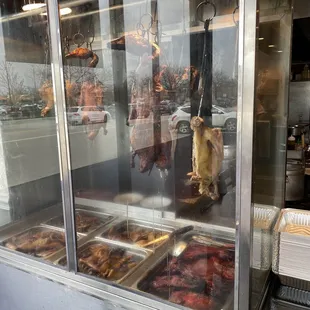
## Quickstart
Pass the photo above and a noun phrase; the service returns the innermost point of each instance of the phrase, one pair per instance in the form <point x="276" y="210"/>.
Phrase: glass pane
<point x="136" y="175"/>
<point x="269" y="166"/>
<point x="31" y="216"/>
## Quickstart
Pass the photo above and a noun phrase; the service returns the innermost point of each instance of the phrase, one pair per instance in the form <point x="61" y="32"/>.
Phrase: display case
<point x="127" y="132"/>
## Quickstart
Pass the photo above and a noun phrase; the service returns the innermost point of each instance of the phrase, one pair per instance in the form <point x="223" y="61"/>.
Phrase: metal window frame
<point x="248" y="19"/>
<point x="62" y="132"/>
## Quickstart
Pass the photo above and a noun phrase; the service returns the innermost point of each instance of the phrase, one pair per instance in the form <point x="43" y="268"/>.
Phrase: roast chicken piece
<point x="135" y="44"/>
<point x="105" y="262"/>
<point x="208" y="155"/>
<point x="84" y="53"/>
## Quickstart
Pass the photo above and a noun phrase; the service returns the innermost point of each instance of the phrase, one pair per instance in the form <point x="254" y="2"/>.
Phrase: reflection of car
<point x="221" y="117"/>
<point x="86" y="114"/>
<point x="101" y="108"/>
<point x="3" y="112"/>
<point x="30" y="110"/>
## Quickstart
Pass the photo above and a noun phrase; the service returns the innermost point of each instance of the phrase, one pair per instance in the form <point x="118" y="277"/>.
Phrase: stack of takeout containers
<point x="291" y="253"/>
<point x="264" y="220"/>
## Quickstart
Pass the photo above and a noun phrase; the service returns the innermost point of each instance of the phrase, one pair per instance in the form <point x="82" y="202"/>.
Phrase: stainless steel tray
<point x="264" y="220"/>
<point x="15" y="242"/>
<point x="160" y="268"/>
<point x="102" y="218"/>
<point x="295" y="283"/>
<point x="138" y="256"/>
<point x="290" y="248"/>
<point x="123" y="226"/>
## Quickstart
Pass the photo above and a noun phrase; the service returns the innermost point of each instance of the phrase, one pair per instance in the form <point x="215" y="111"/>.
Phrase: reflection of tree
<point x="37" y="75"/>
<point x="11" y="83"/>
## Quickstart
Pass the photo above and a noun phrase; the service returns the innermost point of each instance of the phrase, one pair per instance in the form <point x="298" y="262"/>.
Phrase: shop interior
<point x="134" y="77"/>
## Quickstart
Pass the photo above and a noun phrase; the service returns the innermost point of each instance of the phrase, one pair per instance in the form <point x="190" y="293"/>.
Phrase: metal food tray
<point x="104" y="218"/>
<point x="295" y="244"/>
<point x="142" y="283"/>
<point x="121" y="226"/>
<point x="293" y="295"/>
<point x="295" y="283"/>
<point x="264" y="219"/>
<point x="277" y="304"/>
<point x="139" y="255"/>
<point x="30" y="232"/>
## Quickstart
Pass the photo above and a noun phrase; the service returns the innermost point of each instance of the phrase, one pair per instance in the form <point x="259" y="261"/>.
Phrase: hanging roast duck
<point x="84" y="53"/>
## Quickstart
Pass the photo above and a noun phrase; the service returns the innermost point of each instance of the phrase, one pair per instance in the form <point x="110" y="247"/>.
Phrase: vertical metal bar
<point x="119" y="66"/>
<point x="245" y="117"/>
<point x="62" y="132"/>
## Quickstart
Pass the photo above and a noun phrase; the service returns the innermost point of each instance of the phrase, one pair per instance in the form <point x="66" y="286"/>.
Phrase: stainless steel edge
<point x="113" y="293"/>
<point x="62" y="132"/>
<point x="288" y="82"/>
<point x="245" y="122"/>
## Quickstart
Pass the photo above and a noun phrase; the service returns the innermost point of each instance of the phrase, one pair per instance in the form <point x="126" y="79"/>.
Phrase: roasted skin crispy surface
<point x="105" y="262"/>
<point x="208" y="155"/>
<point x="135" y="44"/>
<point x="199" y="278"/>
<point x="135" y="234"/>
<point x="84" y="53"/>
<point x="40" y="244"/>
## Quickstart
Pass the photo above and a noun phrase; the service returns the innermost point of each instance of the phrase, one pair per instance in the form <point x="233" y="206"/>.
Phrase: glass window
<point x="31" y="216"/>
<point x="73" y="109"/>
<point x="186" y="110"/>
<point x="136" y="176"/>
<point x="270" y="128"/>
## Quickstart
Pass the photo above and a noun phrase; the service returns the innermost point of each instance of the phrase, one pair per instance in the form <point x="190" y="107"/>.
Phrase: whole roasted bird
<point x="207" y="157"/>
<point x="135" y="44"/>
<point x="84" y="53"/>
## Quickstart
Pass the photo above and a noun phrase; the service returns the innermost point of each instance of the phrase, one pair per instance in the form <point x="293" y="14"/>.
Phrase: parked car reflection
<point x="221" y="117"/>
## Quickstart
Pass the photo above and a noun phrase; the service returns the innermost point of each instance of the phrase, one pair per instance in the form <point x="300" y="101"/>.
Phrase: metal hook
<point x="201" y="5"/>
<point x="233" y="15"/>
<point x="141" y="30"/>
<point x="78" y="39"/>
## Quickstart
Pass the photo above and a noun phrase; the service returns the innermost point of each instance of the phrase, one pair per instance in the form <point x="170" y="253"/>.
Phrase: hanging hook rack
<point x="200" y="8"/>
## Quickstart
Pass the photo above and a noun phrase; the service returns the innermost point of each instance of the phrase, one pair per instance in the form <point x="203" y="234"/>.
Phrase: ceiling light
<point x="279" y="51"/>
<point x="30" y="5"/>
<point x="271" y="45"/>
<point x="261" y="39"/>
<point x="63" y="11"/>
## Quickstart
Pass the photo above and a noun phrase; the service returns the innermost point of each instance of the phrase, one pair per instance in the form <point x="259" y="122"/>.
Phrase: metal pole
<point x="119" y="66"/>
<point x="245" y="117"/>
<point x="62" y="133"/>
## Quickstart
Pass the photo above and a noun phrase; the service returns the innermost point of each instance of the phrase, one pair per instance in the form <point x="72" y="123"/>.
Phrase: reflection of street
<point x="31" y="152"/>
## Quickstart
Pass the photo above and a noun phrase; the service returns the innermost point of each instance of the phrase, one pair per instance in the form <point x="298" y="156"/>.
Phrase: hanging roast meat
<point x="207" y="157"/>
<point x="136" y="45"/>
<point x="84" y="53"/>
<point x="91" y="97"/>
<point x="47" y="94"/>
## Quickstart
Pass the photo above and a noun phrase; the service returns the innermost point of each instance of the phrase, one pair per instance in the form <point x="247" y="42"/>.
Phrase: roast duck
<point x="103" y="261"/>
<point x="91" y="96"/>
<point x="46" y="91"/>
<point x="84" y="53"/>
<point x="38" y="243"/>
<point x="199" y="278"/>
<point x="150" y="139"/>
